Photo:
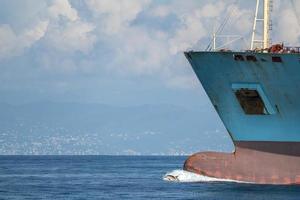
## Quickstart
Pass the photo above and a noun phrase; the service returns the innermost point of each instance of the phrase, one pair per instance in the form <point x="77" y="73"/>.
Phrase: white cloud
<point x="62" y="8"/>
<point x="288" y="22"/>
<point x="32" y="35"/>
<point x="161" y="11"/>
<point x="243" y="20"/>
<point x="12" y="44"/>
<point x="190" y="32"/>
<point x="213" y="10"/>
<point x="193" y="27"/>
<point x="139" y="51"/>
<point x="198" y="21"/>
<point x="116" y="15"/>
<point x="136" y="49"/>
<point x="286" y="25"/>
<point x="59" y="25"/>
<point x="70" y="34"/>
<point x="73" y="36"/>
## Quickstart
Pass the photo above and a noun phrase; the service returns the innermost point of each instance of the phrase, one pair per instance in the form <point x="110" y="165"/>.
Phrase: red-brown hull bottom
<point x="254" y="162"/>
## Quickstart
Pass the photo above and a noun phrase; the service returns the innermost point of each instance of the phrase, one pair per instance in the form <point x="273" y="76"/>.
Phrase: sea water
<point x="120" y="177"/>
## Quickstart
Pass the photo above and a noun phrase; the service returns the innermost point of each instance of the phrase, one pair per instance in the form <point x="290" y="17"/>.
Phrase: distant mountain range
<point x="73" y="128"/>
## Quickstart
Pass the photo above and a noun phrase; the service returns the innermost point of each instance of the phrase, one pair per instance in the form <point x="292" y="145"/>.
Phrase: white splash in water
<point x="189" y="177"/>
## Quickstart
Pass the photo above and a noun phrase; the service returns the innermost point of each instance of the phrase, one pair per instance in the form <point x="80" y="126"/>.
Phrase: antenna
<point x="216" y="33"/>
<point x="266" y="22"/>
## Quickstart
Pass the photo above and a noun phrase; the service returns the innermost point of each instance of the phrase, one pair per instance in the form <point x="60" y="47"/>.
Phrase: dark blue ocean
<point x="116" y="177"/>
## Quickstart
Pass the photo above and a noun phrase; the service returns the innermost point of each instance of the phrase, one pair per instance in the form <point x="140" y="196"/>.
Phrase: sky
<point x="118" y="52"/>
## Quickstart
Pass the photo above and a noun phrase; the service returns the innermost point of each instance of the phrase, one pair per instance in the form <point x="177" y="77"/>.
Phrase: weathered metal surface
<point x="277" y="82"/>
<point x="253" y="162"/>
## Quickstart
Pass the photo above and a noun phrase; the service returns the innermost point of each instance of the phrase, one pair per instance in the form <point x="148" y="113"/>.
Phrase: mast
<point x="266" y="36"/>
<point x="254" y="26"/>
<point x="264" y="40"/>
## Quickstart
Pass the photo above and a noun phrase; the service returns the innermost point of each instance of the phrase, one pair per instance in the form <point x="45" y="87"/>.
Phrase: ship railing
<point x="277" y="48"/>
<point x="291" y="50"/>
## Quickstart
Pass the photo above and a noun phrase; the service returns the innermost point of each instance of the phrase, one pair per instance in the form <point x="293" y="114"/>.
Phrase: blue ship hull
<point x="277" y="81"/>
<point x="257" y="97"/>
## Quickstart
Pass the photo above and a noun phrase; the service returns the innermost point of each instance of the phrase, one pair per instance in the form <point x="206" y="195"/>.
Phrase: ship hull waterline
<point x="252" y="162"/>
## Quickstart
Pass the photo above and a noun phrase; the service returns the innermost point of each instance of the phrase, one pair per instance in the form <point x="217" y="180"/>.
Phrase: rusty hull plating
<point x="256" y="95"/>
<point x="252" y="162"/>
